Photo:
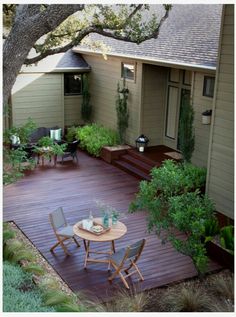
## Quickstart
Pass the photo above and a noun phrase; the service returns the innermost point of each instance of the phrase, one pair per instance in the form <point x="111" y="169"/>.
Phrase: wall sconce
<point x="206" y="117"/>
<point x="141" y="142"/>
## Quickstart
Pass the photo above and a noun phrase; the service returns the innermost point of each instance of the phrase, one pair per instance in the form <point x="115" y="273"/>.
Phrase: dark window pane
<point x="127" y="71"/>
<point x="72" y="84"/>
<point x="208" y="86"/>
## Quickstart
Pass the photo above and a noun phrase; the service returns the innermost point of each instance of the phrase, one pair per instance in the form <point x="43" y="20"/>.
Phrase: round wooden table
<point x="116" y="231"/>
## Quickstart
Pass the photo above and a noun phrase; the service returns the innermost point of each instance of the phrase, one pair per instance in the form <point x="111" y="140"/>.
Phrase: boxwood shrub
<point x="94" y="136"/>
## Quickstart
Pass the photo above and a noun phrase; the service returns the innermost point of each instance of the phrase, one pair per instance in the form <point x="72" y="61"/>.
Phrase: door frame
<point x="176" y="78"/>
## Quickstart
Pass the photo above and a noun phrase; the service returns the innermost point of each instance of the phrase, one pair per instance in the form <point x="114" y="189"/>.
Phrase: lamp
<point x="141" y="142"/>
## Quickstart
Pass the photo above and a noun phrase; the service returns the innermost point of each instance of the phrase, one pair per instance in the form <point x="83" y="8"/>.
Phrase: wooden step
<point x="131" y="169"/>
<point x="137" y="163"/>
<point x="140" y="156"/>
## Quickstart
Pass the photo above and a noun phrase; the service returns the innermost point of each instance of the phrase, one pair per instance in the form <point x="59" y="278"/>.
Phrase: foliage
<point x="187" y="299"/>
<point x="34" y="269"/>
<point x="122" y="110"/>
<point x="171" y="203"/>
<point x="23" y="132"/>
<point x="7" y="233"/>
<point x="223" y="286"/>
<point x="211" y="229"/>
<point x="227" y="238"/>
<point x="186" y="133"/>
<point x="93" y="137"/>
<point x="54" y="148"/>
<point x="127" y="301"/>
<point x="15" y="251"/>
<point x="71" y="134"/>
<point x="45" y="141"/>
<point x="19" y="292"/>
<point x="86" y="108"/>
<point x="15" y="162"/>
<point x="188" y="213"/>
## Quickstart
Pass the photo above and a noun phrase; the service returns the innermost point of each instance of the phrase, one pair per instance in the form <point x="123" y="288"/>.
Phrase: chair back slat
<point x="57" y="218"/>
<point x="136" y="248"/>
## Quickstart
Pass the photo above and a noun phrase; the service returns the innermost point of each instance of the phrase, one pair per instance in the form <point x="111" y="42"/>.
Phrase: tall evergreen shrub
<point x="86" y="108"/>
<point x="122" y="110"/>
<point x="186" y="132"/>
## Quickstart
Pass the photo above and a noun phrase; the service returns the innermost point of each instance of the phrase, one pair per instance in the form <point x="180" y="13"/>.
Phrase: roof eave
<point x="59" y="70"/>
<point x="146" y="59"/>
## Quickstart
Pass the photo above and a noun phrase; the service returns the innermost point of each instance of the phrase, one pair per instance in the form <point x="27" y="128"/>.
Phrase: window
<point x="128" y="71"/>
<point x="208" y="86"/>
<point x="72" y="84"/>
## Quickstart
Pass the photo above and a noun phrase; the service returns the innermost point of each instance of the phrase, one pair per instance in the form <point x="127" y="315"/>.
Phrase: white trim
<point x="160" y="62"/>
<point x="56" y="70"/>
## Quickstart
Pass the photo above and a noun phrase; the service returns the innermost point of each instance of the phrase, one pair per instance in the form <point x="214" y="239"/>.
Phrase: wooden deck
<point x="76" y="188"/>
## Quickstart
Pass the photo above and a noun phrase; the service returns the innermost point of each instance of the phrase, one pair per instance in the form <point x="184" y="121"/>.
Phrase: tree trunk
<point x="30" y="24"/>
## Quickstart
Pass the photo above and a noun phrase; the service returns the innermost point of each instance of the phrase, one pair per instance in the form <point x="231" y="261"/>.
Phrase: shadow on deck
<point x="76" y="188"/>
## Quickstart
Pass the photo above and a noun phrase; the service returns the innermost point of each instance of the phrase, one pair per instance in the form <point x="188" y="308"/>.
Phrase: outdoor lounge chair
<point x="62" y="230"/>
<point x="71" y="150"/>
<point x="124" y="256"/>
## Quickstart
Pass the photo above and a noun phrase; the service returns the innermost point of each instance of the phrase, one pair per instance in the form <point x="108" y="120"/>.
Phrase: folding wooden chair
<point x="62" y="230"/>
<point x="131" y="255"/>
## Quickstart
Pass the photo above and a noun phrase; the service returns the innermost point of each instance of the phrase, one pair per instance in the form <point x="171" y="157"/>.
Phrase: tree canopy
<point x="52" y="29"/>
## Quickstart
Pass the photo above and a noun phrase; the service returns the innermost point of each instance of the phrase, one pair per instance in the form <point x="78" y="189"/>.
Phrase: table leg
<point x="113" y="246"/>
<point x="87" y="252"/>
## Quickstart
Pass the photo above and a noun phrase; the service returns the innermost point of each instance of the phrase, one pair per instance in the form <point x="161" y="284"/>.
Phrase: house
<point x="183" y="61"/>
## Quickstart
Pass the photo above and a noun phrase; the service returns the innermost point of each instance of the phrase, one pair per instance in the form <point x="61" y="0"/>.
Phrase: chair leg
<point x="118" y="272"/>
<point x="60" y="242"/>
<point x="76" y="242"/>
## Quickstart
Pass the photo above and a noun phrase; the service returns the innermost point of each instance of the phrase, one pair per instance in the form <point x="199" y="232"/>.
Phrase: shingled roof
<point x="62" y="62"/>
<point x="190" y="35"/>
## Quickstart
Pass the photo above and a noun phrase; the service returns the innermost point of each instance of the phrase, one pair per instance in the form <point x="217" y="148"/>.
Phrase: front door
<point x="179" y="85"/>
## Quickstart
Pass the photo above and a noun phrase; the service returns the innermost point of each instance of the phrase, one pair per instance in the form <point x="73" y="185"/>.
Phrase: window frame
<point x="81" y="84"/>
<point x="204" y="91"/>
<point x="122" y="71"/>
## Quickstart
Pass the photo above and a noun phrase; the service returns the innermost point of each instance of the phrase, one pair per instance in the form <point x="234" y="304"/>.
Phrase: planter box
<point x="220" y="255"/>
<point x="110" y="153"/>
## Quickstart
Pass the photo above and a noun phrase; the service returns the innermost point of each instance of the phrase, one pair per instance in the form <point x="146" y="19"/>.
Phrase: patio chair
<point x="62" y="230"/>
<point x="124" y="256"/>
<point x="71" y="150"/>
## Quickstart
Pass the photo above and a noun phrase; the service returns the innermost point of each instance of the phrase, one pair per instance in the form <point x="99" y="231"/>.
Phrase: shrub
<point x="127" y="301"/>
<point x="23" y="132"/>
<point x="122" y="110"/>
<point x="93" y="137"/>
<point x="171" y="202"/>
<point x="86" y="107"/>
<point x="71" y="134"/>
<point x="15" y="162"/>
<point x="187" y="299"/>
<point x="19" y="292"/>
<point x="223" y="286"/>
<point x="186" y="131"/>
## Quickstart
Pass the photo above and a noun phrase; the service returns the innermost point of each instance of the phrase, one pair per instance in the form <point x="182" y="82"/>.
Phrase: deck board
<point x="76" y="188"/>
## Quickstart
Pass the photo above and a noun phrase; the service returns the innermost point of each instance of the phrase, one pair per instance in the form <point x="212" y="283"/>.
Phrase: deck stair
<point x="135" y="164"/>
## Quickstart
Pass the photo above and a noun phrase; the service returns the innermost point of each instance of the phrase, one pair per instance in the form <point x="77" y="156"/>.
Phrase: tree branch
<point x="98" y="30"/>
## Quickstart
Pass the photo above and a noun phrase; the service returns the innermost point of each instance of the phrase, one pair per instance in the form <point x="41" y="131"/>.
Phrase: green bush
<point x="23" y="132"/>
<point x="93" y="137"/>
<point x="171" y="202"/>
<point x="71" y="134"/>
<point x="15" y="162"/>
<point x="19" y="292"/>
